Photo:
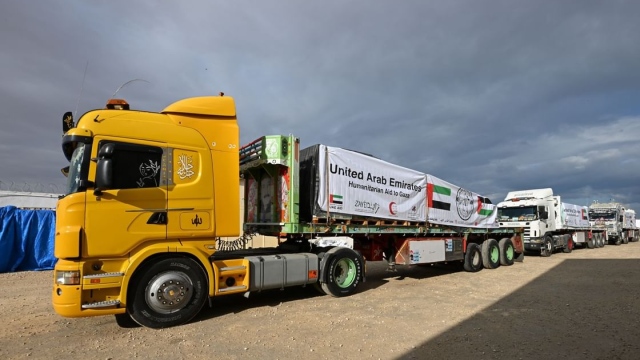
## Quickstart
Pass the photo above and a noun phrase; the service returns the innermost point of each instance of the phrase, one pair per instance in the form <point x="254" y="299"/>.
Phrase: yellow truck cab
<point x="144" y="205"/>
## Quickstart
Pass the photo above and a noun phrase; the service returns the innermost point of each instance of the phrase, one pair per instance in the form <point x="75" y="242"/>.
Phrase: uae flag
<point x="335" y="199"/>
<point x="438" y="197"/>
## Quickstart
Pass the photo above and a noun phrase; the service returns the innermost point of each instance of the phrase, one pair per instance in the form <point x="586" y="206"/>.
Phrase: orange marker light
<point x="117" y="104"/>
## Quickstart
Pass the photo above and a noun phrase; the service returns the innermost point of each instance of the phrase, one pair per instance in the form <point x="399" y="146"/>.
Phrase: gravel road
<point x="582" y="305"/>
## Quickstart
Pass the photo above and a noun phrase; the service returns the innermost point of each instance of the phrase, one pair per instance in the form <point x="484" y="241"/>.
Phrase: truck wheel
<point x="601" y="241"/>
<point x="473" y="258"/>
<point x="618" y="241"/>
<point x="507" y="251"/>
<point x="343" y="272"/>
<point x="490" y="254"/>
<point x="125" y="321"/>
<point x="167" y="292"/>
<point x="625" y="240"/>
<point x="569" y="246"/>
<point x="547" y="247"/>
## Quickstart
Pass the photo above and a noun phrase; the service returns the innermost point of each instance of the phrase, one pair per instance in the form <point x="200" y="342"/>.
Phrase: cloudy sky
<point x="492" y="96"/>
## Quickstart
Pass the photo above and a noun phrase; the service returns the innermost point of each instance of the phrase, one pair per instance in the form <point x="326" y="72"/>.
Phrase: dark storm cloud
<point x="490" y="95"/>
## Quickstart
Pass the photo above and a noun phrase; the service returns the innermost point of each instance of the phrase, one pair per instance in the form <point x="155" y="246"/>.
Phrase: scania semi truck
<point x="149" y="196"/>
<point x="549" y="224"/>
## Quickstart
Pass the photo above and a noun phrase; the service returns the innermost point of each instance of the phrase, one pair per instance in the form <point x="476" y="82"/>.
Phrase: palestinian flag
<point x="438" y="197"/>
<point x="335" y="199"/>
<point x="485" y="208"/>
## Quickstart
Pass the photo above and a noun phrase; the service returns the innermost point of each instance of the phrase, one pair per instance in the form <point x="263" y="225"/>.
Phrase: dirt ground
<point x="583" y="305"/>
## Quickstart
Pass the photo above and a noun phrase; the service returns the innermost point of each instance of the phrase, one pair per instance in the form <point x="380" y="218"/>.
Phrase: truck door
<point x="190" y="202"/>
<point x="135" y="209"/>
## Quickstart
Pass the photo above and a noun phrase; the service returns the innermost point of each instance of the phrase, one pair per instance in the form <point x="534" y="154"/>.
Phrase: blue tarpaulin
<point x="26" y="239"/>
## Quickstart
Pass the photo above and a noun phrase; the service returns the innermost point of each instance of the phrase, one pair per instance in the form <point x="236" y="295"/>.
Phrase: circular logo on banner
<point x="465" y="203"/>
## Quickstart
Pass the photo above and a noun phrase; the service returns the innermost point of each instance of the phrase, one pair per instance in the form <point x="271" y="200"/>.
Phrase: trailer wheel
<point x="168" y="292"/>
<point x="343" y="272"/>
<point x="547" y="247"/>
<point x="490" y="254"/>
<point x="625" y="240"/>
<point x="601" y="241"/>
<point x="507" y="251"/>
<point x="590" y="242"/>
<point x="568" y="247"/>
<point x="473" y="258"/>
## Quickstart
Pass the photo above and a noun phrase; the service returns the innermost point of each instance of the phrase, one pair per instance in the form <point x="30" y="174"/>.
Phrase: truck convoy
<point x="548" y="223"/>
<point x="150" y="194"/>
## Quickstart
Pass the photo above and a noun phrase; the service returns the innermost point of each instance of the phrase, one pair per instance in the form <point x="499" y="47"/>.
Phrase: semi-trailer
<point x="149" y="196"/>
<point x="549" y="224"/>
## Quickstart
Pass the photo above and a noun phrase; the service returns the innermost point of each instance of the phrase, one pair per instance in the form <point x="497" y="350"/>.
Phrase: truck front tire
<point x="167" y="292"/>
<point x="547" y="247"/>
<point x="125" y="321"/>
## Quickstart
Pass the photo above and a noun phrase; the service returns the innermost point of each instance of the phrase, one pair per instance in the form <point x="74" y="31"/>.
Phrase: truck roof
<point x="529" y="194"/>
<point x="610" y="205"/>
<point x="203" y="105"/>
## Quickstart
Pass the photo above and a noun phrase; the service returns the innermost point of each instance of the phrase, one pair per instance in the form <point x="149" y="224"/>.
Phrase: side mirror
<point x="106" y="151"/>
<point x="104" y="168"/>
<point x="544" y="215"/>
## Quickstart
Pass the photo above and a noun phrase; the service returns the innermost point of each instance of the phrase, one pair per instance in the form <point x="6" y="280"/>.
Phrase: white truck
<point x="548" y="223"/>
<point x="608" y="218"/>
<point x="630" y="230"/>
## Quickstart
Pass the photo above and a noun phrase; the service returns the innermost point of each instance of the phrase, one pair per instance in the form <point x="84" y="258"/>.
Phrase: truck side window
<point x="136" y="166"/>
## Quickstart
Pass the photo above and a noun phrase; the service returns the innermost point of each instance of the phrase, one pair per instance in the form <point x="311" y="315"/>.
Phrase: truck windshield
<point x="602" y="215"/>
<point x="75" y="169"/>
<point x="517" y="213"/>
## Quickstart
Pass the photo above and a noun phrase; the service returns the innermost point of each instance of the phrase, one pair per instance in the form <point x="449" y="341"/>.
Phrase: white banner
<point x="573" y="216"/>
<point x="362" y="185"/>
<point x="449" y="204"/>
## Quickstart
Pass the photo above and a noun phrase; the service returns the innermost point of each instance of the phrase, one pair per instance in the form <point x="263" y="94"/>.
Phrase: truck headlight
<point x="68" y="277"/>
